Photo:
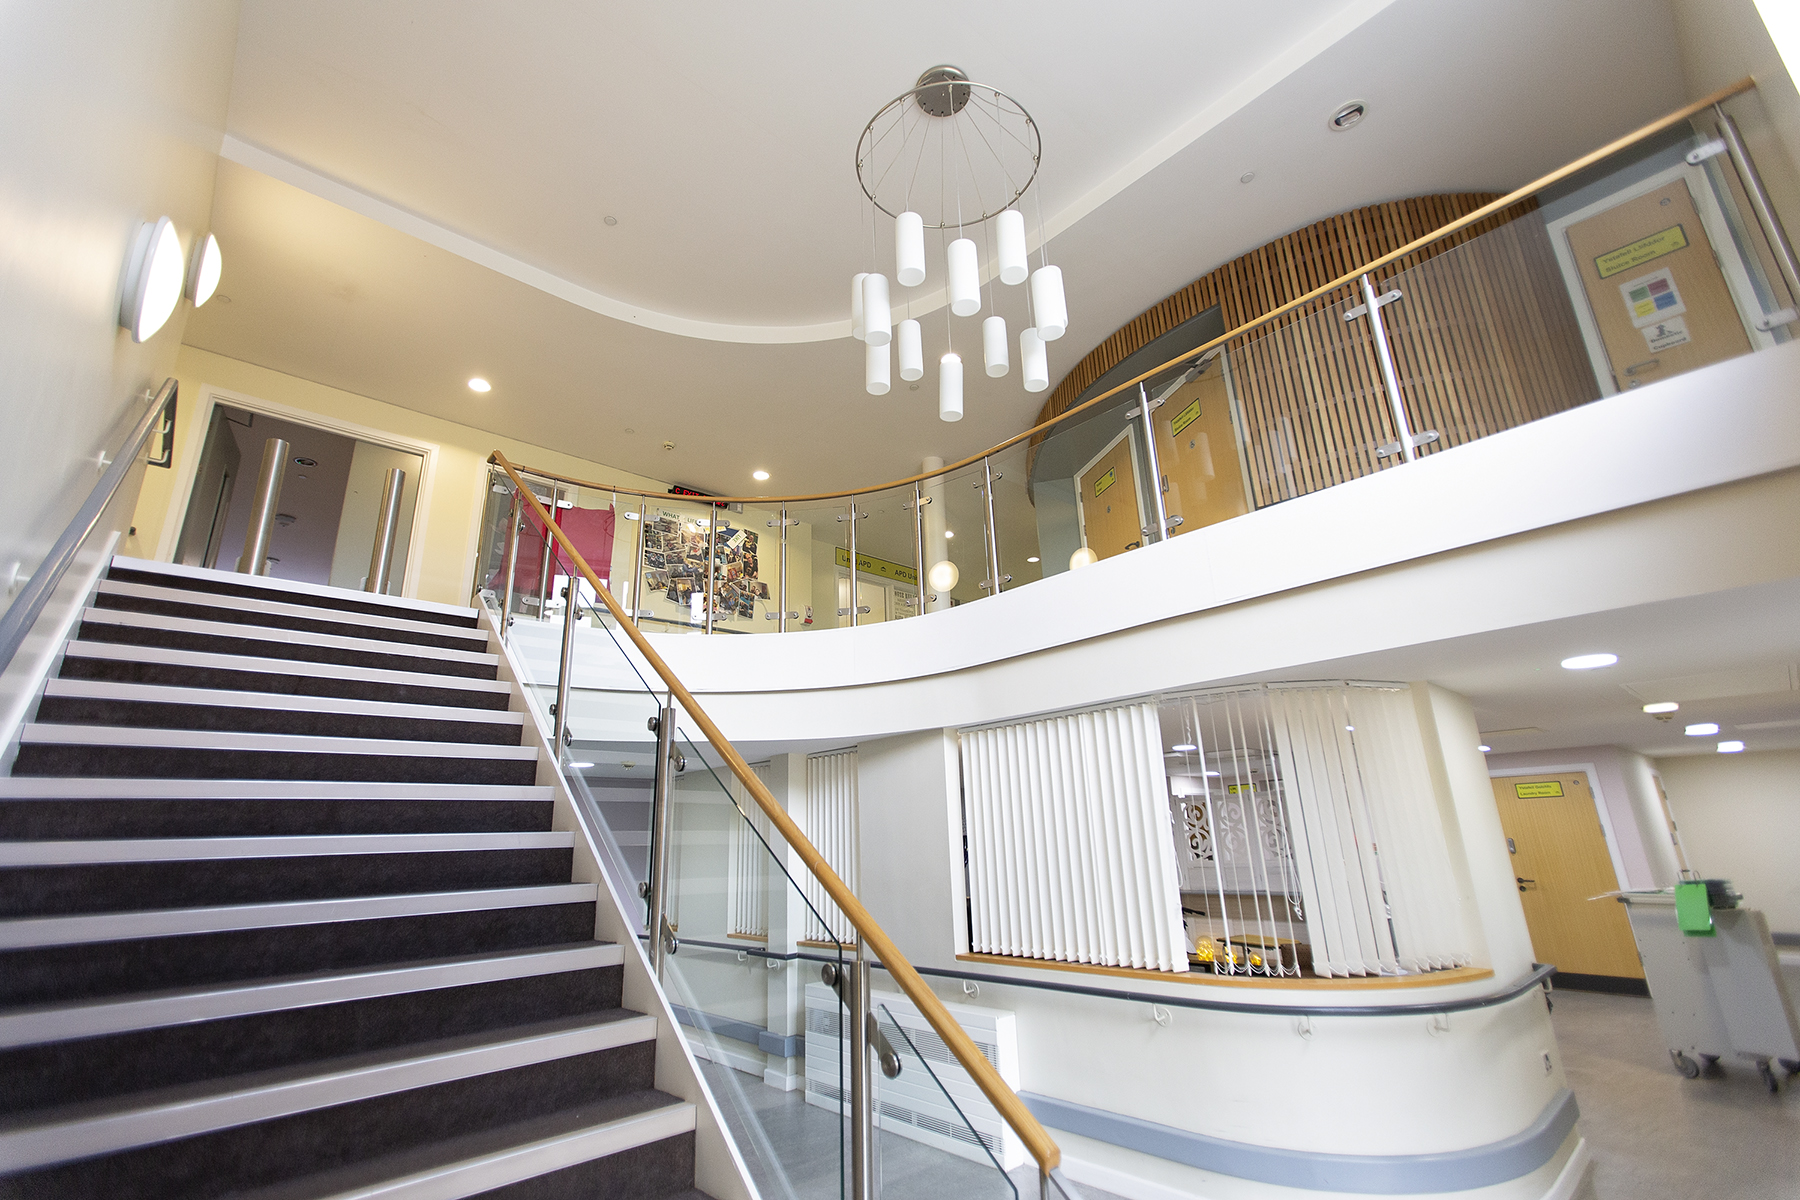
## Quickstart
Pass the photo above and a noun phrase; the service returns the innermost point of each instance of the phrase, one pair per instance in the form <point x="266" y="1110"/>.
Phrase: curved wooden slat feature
<point x="1012" y="1109"/>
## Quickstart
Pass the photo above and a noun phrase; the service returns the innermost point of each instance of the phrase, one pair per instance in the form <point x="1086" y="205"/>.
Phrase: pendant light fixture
<point x="911" y="350"/>
<point x="951" y="154"/>
<point x="875" y="369"/>
<point x="856" y="305"/>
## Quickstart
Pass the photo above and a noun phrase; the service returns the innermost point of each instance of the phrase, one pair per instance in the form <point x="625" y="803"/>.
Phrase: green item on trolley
<point x="1693" y="912"/>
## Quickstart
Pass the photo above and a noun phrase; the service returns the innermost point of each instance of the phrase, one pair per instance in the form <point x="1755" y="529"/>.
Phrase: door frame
<point x="1593" y="778"/>
<point x="188" y="466"/>
<point x="1137" y="489"/>
<point x="1718" y="232"/>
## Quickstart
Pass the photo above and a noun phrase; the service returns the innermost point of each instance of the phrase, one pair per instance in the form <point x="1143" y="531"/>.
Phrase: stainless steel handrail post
<point x="1759" y="199"/>
<point x="712" y="562"/>
<point x="564" y="665"/>
<point x="387" y="524"/>
<point x="1389" y="377"/>
<point x="662" y="820"/>
<point x="547" y="558"/>
<point x="262" y="508"/>
<point x="1158" y="506"/>
<point x="853" y="562"/>
<point x="862" y="1098"/>
<point x="918" y="505"/>
<point x="638" y="606"/>
<point x="512" y="563"/>
<point x="993" y="535"/>
<point x="781" y="615"/>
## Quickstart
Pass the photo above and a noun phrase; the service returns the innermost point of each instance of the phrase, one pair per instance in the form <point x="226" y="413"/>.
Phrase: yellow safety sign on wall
<point x="1104" y="482"/>
<point x="870" y="565"/>
<point x="1665" y="241"/>
<point x="1532" y="791"/>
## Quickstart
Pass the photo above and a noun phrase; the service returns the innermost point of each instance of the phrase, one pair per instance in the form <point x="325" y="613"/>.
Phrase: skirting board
<point x="1390" y="1175"/>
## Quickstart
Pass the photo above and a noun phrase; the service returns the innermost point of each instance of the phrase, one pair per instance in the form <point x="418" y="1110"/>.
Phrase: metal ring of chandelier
<point x="945" y="98"/>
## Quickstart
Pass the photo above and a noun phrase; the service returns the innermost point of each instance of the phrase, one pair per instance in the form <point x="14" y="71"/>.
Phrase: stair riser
<point x="139" y="762"/>
<point x="60" y="974"/>
<point x="144" y="714"/>
<point x="220" y="587"/>
<point x="281" y="684"/>
<point x="660" y="1168"/>
<point x="208" y="643"/>
<point x="132" y="886"/>
<point x="118" y="1065"/>
<point x="231" y="1160"/>
<point x="334" y="626"/>
<point x="69" y="820"/>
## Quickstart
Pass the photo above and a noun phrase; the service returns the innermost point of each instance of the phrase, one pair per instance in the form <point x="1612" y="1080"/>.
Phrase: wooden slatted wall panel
<point x="1484" y="339"/>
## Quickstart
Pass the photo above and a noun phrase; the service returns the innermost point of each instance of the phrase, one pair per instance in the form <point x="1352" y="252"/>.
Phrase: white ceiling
<point x="722" y="138"/>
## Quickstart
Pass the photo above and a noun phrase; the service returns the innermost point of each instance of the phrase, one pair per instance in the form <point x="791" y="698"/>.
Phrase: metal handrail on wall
<point x="16" y="622"/>
<point x="870" y="934"/>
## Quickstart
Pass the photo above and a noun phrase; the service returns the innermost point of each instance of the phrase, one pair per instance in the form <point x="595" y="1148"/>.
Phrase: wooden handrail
<point x="1003" y="1098"/>
<point x="1349" y="277"/>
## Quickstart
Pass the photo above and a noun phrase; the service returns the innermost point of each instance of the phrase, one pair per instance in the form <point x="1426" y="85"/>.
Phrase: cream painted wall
<point x="1721" y="41"/>
<point x="1739" y="817"/>
<point x="115" y="114"/>
<point x="1626" y="785"/>
<point x="457" y="489"/>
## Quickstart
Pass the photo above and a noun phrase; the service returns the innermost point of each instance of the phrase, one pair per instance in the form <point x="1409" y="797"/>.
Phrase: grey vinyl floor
<point x="1657" y="1136"/>
<point x="793" y="1152"/>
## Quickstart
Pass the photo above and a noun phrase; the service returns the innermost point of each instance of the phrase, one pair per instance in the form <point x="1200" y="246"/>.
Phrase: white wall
<point x="1625" y="782"/>
<point x="115" y="113"/>
<point x="1739" y="817"/>
<point x="1720" y="42"/>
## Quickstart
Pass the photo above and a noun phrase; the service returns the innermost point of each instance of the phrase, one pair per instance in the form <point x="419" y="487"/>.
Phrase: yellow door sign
<point x="1104" y="482"/>
<point x="1537" y="789"/>
<point x="1184" y="418"/>
<point x="1665" y="241"/>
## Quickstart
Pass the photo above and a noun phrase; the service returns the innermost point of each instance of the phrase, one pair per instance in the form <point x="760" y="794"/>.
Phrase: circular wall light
<point x="1348" y="114"/>
<point x="943" y="576"/>
<point x="478" y="384"/>
<point x="1589" y="662"/>
<point x="760" y="476"/>
<point x="203" y="272"/>
<point x="153" y="279"/>
<point x="1082" y="558"/>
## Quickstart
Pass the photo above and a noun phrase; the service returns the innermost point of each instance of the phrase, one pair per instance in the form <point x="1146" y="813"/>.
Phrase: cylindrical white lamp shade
<point x="1034" y="361"/>
<point x="943" y="576"/>
<point x="993" y="346"/>
<point x="1082" y="558"/>
<point x="950" y="388"/>
<point x="875" y="369"/>
<point x="965" y="279"/>
<point x="856" y="305"/>
<point x="1009" y="230"/>
<point x="878" y="318"/>
<point x="912" y="356"/>
<point x="1047" y="303"/>
<point x="909" y="249"/>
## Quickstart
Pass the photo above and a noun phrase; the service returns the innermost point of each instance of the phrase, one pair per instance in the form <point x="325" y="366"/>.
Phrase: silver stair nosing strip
<point x="173" y="656"/>
<point x="282" y="608"/>
<point x="275" y="633"/>
<point x="273" y="743"/>
<point x="290" y="587"/>
<point x="194" y="849"/>
<point x="61" y="1023"/>
<point x="23" y="1149"/>
<point x="24" y="933"/>
<point x="164" y="693"/>
<point x="515" y="1164"/>
<point x="81" y="787"/>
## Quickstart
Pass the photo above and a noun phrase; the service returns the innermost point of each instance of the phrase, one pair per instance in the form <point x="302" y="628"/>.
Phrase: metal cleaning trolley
<point x="1718" y="993"/>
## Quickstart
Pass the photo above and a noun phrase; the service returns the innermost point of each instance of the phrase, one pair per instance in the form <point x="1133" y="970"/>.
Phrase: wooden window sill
<point x="1208" y="979"/>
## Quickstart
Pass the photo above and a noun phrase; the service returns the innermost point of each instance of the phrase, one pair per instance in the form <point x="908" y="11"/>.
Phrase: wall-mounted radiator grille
<point x="747" y="868"/>
<point x="830" y="822"/>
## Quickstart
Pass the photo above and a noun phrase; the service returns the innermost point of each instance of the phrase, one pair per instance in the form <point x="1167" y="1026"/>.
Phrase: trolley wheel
<point x="1684" y="1064"/>
<point x="1768" y="1075"/>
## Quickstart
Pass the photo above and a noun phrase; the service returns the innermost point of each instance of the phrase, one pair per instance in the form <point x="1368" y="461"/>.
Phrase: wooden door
<point x="1560" y="859"/>
<point x="1196" y="447"/>
<point x="1659" y="300"/>
<point x="1110" y="521"/>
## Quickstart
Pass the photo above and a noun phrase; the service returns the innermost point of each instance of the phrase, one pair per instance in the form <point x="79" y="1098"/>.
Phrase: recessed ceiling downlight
<point x="1731" y="747"/>
<point x="760" y="476"/>
<point x="1349" y="114"/>
<point x="478" y="384"/>
<point x="154" y="276"/>
<point x="1704" y="729"/>
<point x="1589" y="662"/>
<point x="1662" y="706"/>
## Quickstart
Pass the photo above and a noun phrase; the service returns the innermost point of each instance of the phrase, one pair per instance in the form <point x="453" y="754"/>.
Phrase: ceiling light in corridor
<point x="1731" y="747"/>
<point x="1589" y="662"/>
<point x="1662" y="706"/>
<point x="760" y="476"/>
<point x="478" y="384"/>
<point x="1706" y="729"/>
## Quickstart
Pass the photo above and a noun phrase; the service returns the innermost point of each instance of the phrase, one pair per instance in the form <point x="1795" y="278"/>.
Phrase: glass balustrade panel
<point x="683" y="563"/>
<point x="1016" y="527"/>
<point x="887" y="573"/>
<point x="817" y="575"/>
<point x="1195" y="430"/>
<point x="1087" y="496"/>
<point x="743" y="978"/>
<point x="955" y="539"/>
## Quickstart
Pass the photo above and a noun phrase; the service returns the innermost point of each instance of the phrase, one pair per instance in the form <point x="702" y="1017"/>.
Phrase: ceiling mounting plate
<point x="946" y="100"/>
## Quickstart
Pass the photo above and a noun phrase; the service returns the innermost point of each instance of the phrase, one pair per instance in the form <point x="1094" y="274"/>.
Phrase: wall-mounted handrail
<point x="17" y="621"/>
<point x="1036" y="1139"/>
<point x="1348" y="279"/>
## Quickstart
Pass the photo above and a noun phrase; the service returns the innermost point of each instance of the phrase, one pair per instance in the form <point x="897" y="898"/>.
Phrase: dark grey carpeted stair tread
<point x="178" y="633"/>
<point x="70" y="818"/>
<point x="223" y="583"/>
<point x="282" y="613"/>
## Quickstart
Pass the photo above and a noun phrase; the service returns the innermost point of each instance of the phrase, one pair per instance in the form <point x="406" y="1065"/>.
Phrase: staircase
<point x="282" y="915"/>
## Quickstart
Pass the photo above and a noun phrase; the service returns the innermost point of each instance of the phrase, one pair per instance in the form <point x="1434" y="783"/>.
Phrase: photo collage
<point x="675" y="564"/>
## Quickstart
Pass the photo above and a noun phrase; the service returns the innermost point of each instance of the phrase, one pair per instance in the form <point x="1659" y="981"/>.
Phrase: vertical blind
<point x="747" y="868"/>
<point x="830" y="823"/>
<point x="1070" y="856"/>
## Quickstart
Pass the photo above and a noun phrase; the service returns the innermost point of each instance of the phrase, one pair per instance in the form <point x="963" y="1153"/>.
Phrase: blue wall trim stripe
<point x="790" y="1046"/>
<point x="1370" y="1174"/>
